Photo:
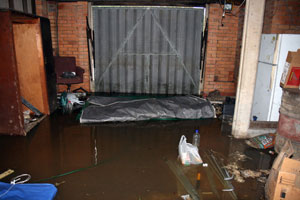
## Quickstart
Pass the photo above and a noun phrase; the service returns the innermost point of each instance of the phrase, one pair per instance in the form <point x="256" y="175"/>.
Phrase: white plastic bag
<point x="188" y="153"/>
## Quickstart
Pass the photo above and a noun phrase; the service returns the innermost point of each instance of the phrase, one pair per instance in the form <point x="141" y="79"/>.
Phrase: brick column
<point x="221" y="54"/>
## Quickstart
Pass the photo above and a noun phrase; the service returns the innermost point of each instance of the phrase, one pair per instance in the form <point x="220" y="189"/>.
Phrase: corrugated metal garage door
<point x="152" y="50"/>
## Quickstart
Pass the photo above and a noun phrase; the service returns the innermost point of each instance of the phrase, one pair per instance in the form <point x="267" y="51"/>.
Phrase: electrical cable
<point x="16" y="180"/>
<point x="241" y="4"/>
<point x="7" y="190"/>
<point x="237" y="9"/>
<point x="84" y="168"/>
<point x="220" y="3"/>
<point x="68" y="173"/>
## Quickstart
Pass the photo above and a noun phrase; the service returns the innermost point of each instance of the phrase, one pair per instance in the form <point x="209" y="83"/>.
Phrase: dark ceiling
<point x="157" y="2"/>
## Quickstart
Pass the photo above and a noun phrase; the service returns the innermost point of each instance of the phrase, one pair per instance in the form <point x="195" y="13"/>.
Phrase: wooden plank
<point x="42" y="68"/>
<point x="49" y="63"/>
<point x="11" y="116"/>
<point x="6" y="173"/>
<point x="24" y="20"/>
<point x="30" y="65"/>
<point x="263" y="124"/>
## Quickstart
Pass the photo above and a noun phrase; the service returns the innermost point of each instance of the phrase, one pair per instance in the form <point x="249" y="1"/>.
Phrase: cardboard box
<point x="287" y="185"/>
<point x="284" y="180"/>
<point x="291" y="73"/>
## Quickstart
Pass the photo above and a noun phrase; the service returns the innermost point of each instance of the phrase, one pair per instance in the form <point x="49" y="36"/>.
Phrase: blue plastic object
<point x="34" y="191"/>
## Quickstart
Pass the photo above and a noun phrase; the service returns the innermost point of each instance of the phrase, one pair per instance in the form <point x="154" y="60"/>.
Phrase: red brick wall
<point x="71" y="33"/>
<point x="41" y="8"/>
<point x="282" y="16"/>
<point x="223" y="47"/>
<point x="72" y="36"/>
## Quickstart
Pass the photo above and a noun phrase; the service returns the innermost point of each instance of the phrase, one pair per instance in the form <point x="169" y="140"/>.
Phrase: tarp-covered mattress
<point x="109" y="109"/>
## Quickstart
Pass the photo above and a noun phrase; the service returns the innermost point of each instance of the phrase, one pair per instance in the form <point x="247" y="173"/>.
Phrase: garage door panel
<point x="147" y="50"/>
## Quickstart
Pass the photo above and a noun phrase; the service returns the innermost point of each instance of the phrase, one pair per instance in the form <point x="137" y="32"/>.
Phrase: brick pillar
<point x="221" y="54"/>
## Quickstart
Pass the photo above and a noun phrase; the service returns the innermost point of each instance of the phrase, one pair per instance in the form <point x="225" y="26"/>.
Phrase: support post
<point x="253" y="23"/>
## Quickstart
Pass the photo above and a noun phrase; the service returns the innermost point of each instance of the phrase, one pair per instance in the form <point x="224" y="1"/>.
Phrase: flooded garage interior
<point x="97" y="97"/>
<point x="130" y="160"/>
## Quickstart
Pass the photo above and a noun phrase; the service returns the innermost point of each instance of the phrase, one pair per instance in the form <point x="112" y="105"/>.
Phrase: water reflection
<point x="123" y="160"/>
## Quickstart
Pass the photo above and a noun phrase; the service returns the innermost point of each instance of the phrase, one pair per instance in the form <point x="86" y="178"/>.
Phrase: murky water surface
<point x="126" y="160"/>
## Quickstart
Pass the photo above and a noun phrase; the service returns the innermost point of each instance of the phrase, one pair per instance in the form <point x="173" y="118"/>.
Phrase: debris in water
<point x="239" y="179"/>
<point x="240" y="173"/>
<point x="57" y="184"/>
<point x="186" y="197"/>
<point x="265" y="171"/>
<point x="233" y="169"/>
<point x="262" y="179"/>
<point x="207" y="193"/>
<point x="271" y="152"/>
<point x="238" y="156"/>
<point x="248" y="173"/>
<point x="262" y="141"/>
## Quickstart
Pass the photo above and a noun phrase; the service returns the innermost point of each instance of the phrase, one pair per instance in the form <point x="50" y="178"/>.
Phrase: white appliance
<point x="267" y="93"/>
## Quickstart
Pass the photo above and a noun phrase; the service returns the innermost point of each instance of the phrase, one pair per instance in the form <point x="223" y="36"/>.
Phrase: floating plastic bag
<point x="188" y="153"/>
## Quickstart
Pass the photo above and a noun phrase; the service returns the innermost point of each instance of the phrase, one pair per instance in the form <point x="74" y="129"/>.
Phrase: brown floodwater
<point x="126" y="160"/>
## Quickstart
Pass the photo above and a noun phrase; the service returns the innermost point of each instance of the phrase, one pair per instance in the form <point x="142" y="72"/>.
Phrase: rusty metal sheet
<point x="11" y="117"/>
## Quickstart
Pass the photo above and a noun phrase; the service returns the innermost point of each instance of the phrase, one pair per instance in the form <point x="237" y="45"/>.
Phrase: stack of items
<point x="289" y="120"/>
<point x="284" y="179"/>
